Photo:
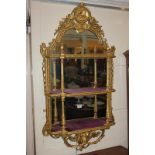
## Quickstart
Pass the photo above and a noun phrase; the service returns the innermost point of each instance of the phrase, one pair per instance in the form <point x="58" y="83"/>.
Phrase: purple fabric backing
<point x="80" y="90"/>
<point x="57" y="91"/>
<point x="79" y="124"/>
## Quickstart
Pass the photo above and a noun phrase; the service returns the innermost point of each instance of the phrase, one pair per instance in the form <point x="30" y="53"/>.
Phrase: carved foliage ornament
<point x="83" y="140"/>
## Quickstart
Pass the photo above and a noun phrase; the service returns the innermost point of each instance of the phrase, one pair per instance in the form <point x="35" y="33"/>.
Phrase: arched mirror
<point x="78" y="75"/>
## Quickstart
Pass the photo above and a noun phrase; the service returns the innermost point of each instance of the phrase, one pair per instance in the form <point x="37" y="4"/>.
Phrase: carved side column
<point x="48" y="90"/>
<point x="47" y="84"/>
<point x="48" y="113"/>
<point x="62" y="88"/>
<point x="63" y="113"/>
<point x="109" y="117"/>
<point x="54" y="74"/>
<point x="54" y="85"/>
<point x="84" y="49"/>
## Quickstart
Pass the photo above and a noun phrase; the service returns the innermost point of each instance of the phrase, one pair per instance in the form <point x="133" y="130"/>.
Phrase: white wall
<point x="45" y="19"/>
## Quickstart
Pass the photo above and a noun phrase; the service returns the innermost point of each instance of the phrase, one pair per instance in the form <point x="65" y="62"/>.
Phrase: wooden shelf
<point x="117" y="150"/>
<point x="80" y="92"/>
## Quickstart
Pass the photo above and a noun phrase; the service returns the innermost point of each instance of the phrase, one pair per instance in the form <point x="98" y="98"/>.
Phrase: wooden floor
<point x="118" y="150"/>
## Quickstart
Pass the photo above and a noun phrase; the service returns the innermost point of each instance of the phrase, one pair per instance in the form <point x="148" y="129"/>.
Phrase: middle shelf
<point x="80" y="92"/>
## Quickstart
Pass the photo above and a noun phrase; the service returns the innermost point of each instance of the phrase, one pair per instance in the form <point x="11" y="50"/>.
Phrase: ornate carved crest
<point x="81" y="20"/>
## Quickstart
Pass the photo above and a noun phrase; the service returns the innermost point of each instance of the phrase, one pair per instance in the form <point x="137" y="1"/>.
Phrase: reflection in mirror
<point x="80" y="43"/>
<point x="79" y="72"/>
<point x="77" y="76"/>
<point x="86" y="110"/>
<point x="55" y="74"/>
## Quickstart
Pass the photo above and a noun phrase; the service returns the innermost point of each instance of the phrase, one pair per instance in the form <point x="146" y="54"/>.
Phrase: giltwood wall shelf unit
<point x="78" y="81"/>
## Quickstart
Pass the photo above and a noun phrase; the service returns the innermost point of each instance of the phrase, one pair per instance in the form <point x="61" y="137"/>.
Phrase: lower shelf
<point x="80" y="124"/>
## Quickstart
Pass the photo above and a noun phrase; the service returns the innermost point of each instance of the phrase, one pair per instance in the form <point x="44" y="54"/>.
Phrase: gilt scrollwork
<point x="81" y="20"/>
<point x="44" y="73"/>
<point x="46" y="129"/>
<point x="84" y="139"/>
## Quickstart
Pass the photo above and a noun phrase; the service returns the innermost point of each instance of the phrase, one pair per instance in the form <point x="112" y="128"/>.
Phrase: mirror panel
<point x="86" y="111"/>
<point x="79" y="43"/>
<point x="79" y="73"/>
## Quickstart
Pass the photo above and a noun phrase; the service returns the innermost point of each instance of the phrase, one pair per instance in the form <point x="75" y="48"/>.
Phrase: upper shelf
<point x="109" y="54"/>
<point x="80" y="92"/>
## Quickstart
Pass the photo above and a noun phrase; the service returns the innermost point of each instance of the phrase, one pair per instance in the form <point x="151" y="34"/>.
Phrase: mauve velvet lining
<point x="79" y="124"/>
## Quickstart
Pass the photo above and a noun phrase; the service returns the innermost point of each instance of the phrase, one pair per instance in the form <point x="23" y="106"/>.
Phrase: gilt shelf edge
<point x="88" y="56"/>
<point x="80" y="94"/>
<point x="99" y="56"/>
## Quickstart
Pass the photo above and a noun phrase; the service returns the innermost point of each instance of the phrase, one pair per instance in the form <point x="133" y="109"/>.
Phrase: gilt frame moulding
<point x="81" y="20"/>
